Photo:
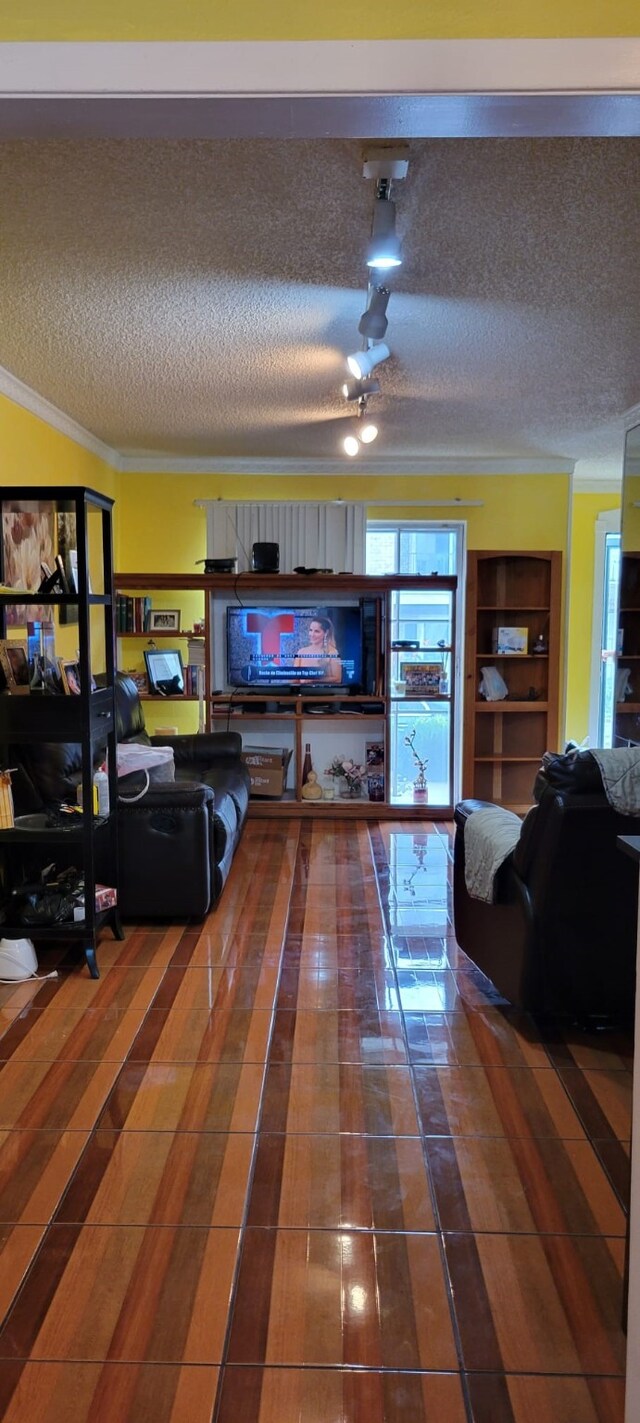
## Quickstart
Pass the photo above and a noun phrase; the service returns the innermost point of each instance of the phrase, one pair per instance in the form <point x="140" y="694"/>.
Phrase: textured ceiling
<point x="198" y="298"/>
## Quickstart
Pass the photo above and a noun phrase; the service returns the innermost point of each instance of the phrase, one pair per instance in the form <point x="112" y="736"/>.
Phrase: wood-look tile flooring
<point x="301" y="1164"/>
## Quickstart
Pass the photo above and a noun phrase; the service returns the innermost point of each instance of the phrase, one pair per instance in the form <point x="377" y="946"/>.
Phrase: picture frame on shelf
<point x="70" y="675"/>
<point x="165" y="672"/>
<point x="15" y="667"/>
<point x="164" y="620"/>
<point x="421" y="677"/>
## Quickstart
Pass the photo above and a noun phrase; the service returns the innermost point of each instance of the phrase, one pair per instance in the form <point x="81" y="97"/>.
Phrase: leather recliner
<point x="561" y="934"/>
<point x="176" y="844"/>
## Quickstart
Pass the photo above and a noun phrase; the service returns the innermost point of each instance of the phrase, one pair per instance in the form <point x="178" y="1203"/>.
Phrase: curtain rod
<point x="367" y="503"/>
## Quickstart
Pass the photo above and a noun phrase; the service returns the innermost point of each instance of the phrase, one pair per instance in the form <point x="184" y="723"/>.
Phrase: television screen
<point x="278" y="646"/>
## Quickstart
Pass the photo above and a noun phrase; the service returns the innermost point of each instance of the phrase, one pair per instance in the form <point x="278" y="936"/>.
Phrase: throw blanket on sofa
<point x="620" y="771"/>
<point x="489" y="837"/>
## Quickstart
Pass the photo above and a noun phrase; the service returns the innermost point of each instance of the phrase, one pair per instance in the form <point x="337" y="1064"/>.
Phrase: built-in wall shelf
<point x="505" y="740"/>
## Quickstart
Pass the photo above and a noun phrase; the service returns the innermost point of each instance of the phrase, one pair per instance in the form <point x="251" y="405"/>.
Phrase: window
<point x="413" y="548"/>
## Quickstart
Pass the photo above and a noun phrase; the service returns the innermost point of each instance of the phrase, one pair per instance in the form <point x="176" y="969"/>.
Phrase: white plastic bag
<point x="156" y="763"/>
<point x="492" y="685"/>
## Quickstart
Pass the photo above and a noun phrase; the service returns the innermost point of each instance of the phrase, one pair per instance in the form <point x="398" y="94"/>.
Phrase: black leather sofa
<point x="177" y="843"/>
<point x="561" y="934"/>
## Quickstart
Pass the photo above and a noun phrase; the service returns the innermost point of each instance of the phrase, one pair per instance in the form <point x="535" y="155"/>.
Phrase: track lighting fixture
<point x="355" y="389"/>
<point x="384" y="251"/>
<point x="385" y="164"/>
<point x="368" y="433"/>
<point x="362" y="363"/>
<point x="373" y="322"/>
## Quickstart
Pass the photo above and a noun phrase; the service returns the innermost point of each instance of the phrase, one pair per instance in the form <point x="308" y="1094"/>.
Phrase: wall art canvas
<point x="28" y="540"/>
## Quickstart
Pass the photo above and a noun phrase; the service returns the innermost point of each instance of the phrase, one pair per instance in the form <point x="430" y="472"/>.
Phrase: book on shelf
<point x="132" y="614"/>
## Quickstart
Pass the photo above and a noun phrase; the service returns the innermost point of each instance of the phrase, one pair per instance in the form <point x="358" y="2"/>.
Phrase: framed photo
<point x="421" y="676"/>
<point x="15" y="667"/>
<point x="70" y="675"/>
<point x="165" y="673"/>
<point x="164" y="620"/>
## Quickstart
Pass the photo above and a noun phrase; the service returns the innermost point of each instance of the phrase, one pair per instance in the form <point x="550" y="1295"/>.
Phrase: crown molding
<point x="459" y="88"/>
<point x="36" y="404"/>
<point x="431" y="465"/>
<point x="631" y="417"/>
<point x="585" y="484"/>
<point x="295" y="68"/>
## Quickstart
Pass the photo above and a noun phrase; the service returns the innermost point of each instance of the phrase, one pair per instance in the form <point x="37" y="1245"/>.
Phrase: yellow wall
<point x="297" y="20"/>
<point x="585" y="511"/>
<point x="34" y="453"/>
<point x="159" y="528"/>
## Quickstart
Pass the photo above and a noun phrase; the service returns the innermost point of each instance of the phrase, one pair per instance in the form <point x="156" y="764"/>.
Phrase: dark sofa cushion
<point x="575" y="772"/>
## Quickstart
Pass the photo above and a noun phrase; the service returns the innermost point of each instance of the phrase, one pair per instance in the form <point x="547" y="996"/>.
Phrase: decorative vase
<point x="420" y="794"/>
<point x="349" y="790"/>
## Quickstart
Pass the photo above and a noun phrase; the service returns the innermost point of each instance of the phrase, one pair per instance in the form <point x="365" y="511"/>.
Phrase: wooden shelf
<point x="514" y="656"/>
<point x="622" y="708"/>
<point x="502" y="757"/>
<point x="149" y="697"/>
<point x="502" y="707"/>
<point x="421" y="696"/>
<point x="513" y="608"/>
<point x="161" y="632"/>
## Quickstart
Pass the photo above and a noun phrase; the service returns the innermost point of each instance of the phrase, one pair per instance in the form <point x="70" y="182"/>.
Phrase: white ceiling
<point x="196" y="299"/>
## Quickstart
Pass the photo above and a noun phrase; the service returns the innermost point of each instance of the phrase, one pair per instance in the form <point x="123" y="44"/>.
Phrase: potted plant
<point x="349" y="775"/>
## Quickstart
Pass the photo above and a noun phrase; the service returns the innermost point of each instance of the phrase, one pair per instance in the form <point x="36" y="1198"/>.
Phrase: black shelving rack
<point x="86" y="719"/>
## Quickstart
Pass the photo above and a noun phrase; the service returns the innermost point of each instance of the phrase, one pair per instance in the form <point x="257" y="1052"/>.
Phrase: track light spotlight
<point x="368" y="434"/>
<point x="362" y="363"/>
<point x="355" y="389"/>
<point x="351" y="446"/>
<point x="384" y="249"/>
<point x="373" y="322"/>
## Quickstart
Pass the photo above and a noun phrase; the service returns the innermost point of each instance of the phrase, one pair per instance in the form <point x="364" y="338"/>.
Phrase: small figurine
<point x="311" y="790"/>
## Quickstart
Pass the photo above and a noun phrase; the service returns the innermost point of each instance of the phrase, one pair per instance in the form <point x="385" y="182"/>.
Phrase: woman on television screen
<point x="321" y="653"/>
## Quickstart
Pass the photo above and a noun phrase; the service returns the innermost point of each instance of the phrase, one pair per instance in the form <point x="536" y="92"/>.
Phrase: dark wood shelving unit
<point x="627" y="713"/>
<point x="86" y="719"/>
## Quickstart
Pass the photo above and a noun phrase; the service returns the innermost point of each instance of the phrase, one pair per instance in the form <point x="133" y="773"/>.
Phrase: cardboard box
<point x="106" y="898"/>
<point x="267" y="767"/>
<point x="510" y="640"/>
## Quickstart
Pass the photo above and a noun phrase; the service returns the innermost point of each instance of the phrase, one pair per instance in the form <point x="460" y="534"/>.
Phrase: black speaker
<point x="265" y="558"/>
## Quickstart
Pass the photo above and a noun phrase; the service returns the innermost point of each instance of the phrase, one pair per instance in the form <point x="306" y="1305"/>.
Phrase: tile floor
<point x="301" y="1164"/>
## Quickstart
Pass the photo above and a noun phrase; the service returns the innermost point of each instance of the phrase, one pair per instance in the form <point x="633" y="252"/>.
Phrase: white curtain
<point x="308" y="535"/>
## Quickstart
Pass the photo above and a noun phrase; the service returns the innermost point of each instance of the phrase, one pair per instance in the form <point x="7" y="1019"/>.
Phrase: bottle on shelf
<point x="100" y="792"/>
<point x="101" y="780"/>
<point x="307" y="765"/>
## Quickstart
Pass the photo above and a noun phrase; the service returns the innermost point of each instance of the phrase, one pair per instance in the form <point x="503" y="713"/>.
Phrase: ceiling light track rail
<point x="383" y="165"/>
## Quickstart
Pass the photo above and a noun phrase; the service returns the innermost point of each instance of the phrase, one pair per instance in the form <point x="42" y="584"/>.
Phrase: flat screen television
<point x="298" y="647"/>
